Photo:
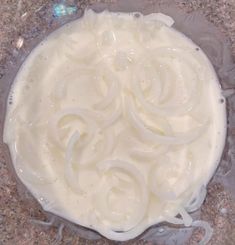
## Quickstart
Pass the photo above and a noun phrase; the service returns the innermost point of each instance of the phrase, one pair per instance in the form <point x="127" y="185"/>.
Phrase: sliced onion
<point x="168" y="86"/>
<point x="44" y="223"/>
<point x="174" y="220"/>
<point x="185" y="219"/>
<point x="134" y="172"/>
<point x="72" y="141"/>
<point x="70" y="176"/>
<point x="107" y="147"/>
<point x="208" y="230"/>
<point x="112" y="91"/>
<point x="186" y="54"/>
<point x="85" y="116"/>
<point x="122" y="236"/>
<point x="170" y="110"/>
<point x="164" y="87"/>
<point x="147" y="134"/>
<point x="102" y="207"/>
<point x="197" y="199"/>
<point x="141" y="151"/>
<point x="161" y="124"/>
<point x="90" y="157"/>
<point x="59" y="235"/>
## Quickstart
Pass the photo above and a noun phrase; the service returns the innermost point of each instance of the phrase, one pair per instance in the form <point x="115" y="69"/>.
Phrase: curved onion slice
<point x="69" y="151"/>
<point x="163" y="87"/>
<point x="170" y="110"/>
<point x="44" y="223"/>
<point x="168" y="87"/>
<point x="208" y="230"/>
<point x="160" y="123"/>
<point x="147" y="134"/>
<point x="70" y="176"/>
<point x="90" y="155"/>
<point x="196" y="200"/>
<point x="185" y="219"/>
<point x="85" y="116"/>
<point x="112" y="91"/>
<point x="122" y="236"/>
<point x="134" y="172"/>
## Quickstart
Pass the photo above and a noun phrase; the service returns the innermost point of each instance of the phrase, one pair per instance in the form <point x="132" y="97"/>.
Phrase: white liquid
<point x="72" y="70"/>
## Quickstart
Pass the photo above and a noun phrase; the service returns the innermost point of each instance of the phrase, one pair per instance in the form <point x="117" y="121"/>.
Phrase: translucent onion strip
<point x="70" y="175"/>
<point x="185" y="219"/>
<point x="44" y="223"/>
<point x="147" y="134"/>
<point x="207" y="228"/>
<point x="134" y="173"/>
<point x="122" y="236"/>
<point x="72" y="141"/>
<point x="197" y="199"/>
<point x="83" y="114"/>
<point x="112" y="93"/>
<point x="168" y="86"/>
<point x="91" y="157"/>
<point x="170" y="110"/>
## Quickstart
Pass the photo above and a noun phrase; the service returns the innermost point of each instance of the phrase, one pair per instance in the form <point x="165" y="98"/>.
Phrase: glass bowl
<point x="219" y="206"/>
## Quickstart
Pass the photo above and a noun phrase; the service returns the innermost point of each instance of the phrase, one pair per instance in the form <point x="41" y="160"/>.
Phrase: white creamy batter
<point x="115" y="122"/>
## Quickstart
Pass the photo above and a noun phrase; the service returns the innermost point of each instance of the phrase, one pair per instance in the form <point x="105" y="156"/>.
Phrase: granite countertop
<point x="16" y="209"/>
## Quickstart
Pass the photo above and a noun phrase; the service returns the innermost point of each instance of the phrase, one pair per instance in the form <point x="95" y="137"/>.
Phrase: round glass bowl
<point x="219" y="206"/>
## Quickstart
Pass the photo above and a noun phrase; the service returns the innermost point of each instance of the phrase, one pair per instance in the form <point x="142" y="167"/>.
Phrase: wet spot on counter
<point x="62" y="10"/>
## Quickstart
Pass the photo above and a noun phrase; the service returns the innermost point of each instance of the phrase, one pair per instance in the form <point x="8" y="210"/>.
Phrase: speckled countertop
<point x="18" y="18"/>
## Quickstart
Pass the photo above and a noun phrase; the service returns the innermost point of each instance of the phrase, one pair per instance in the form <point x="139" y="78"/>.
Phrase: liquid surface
<point x="115" y="122"/>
